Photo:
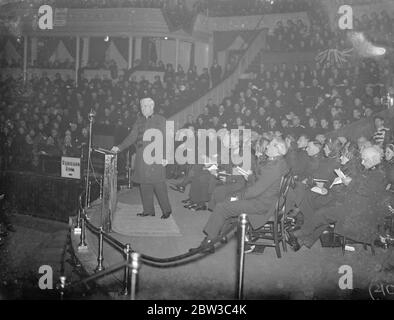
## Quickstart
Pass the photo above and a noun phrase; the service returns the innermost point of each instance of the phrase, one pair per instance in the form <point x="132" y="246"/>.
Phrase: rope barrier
<point x="97" y="275"/>
<point x="145" y="258"/>
<point x="133" y="259"/>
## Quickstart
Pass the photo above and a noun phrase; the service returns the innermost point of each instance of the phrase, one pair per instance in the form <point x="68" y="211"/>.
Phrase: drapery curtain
<point x="97" y="50"/>
<point x="122" y="45"/>
<point x="148" y="51"/>
<point x="168" y="51"/>
<point x="61" y="54"/>
<point x="9" y="51"/>
<point x="192" y="55"/>
<point x="46" y="47"/>
<point x="185" y="49"/>
<point x="113" y="53"/>
<point x="70" y="44"/>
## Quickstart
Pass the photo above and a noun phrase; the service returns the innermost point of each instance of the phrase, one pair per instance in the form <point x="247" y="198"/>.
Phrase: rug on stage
<point x="127" y="222"/>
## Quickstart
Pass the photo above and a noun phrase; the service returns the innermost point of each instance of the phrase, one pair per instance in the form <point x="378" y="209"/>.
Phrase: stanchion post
<point x="100" y="257"/>
<point x="101" y="187"/>
<point x="77" y="228"/>
<point x="129" y="168"/>
<point x="62" y="286"/>
<point x="82" y="245"/>
<point x="135" y="266"/>
<point x="126" y="277"/>
<point x="242" y="223"/>
<point x="89" y="189"/>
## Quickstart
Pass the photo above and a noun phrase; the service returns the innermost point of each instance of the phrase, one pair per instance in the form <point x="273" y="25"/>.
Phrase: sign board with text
<point x="71" y="168"/>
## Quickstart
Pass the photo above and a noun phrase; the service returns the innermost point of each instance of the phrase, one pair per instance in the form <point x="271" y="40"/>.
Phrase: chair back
<point x="280" y="209"/>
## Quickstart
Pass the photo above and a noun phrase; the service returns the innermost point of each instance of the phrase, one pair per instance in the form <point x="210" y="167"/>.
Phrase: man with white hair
<point x="357" y="215"/>
<point x="151" y="177"/>
<point x="258" y="200"/>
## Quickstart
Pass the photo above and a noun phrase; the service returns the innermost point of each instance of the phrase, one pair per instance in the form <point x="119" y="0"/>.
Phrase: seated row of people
<point x="337" y="182"/>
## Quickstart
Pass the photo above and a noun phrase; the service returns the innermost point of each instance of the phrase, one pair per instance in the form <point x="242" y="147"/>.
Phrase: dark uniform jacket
<point x="266" y="188"/>
<point x="143" y="172"/>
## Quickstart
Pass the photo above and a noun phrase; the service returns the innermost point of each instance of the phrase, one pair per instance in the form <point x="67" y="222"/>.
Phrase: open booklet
<point x="244" y="173"/>
<point x="341" y="177"/>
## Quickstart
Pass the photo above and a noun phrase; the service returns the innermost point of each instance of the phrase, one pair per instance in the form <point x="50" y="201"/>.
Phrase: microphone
<point x="92" y="114"/>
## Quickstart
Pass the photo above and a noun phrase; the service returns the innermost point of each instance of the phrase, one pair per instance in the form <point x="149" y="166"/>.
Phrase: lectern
<point x="109" y="189"/>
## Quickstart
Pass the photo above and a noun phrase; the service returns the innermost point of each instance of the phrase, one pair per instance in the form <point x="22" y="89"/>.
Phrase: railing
<point x="223" y="90"/>
<point x="133" y="260"/>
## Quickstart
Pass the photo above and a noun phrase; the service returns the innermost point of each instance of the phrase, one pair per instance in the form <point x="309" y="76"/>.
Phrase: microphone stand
<point x="91" y="117"/>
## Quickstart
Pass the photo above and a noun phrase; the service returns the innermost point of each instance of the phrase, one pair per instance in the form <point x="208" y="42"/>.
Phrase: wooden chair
<point x="273" y="232"/>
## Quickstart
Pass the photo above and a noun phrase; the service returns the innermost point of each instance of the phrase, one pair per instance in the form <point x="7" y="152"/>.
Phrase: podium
<point x="109" y="189"/>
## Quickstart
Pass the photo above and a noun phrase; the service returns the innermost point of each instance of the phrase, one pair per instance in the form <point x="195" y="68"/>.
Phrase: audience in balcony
<point x="297" y="36"/>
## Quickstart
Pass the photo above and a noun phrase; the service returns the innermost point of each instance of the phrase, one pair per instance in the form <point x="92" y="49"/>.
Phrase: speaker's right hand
<point x="115" y="149"/>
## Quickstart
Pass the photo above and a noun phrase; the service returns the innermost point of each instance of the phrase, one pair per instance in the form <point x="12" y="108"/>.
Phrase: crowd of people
<point x="295" y="36"/>
<point x="341" y="183"/>
<point x="302" y="99"/>
<point x="50" y="116"/>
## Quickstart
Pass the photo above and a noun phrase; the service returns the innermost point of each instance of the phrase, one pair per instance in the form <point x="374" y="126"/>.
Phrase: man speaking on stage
<point x="151" y="177"/>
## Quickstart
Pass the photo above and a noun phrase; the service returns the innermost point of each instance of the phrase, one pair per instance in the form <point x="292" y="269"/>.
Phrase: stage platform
<point x="306" y="274"/>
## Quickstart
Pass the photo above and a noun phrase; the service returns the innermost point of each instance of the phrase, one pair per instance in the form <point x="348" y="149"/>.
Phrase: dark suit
<point x="258" y="200"/>
<point x="151" y="177"/>
<point x="355" y="215"/>
<point x="222" y="192"/>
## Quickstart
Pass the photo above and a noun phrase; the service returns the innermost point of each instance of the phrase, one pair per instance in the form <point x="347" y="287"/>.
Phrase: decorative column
<point x="137" y="49"/>
<point x="210" y="52"/>
<point x="78" y="40"/>
<point x="24" y="58"/>
<point x="176" y="54"/>
<point x="130" y="58"/>
<point x="85" y="51"/>
<point x="34" y="45"/>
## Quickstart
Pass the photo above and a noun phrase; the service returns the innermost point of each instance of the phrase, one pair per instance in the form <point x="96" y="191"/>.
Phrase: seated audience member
<point x="296" y="157"/>
<point x="313" y="150"/>
<point x="350" y="159"/>
<point x="357" y="215"/>
<point x="232" y="184"/>
<point x="389" y="166"/>
<point x="258" y="199"/>
<point x="5" y="223"/>
<point x="363" y="142"/>
<point x="201" y="188"/>
<point x="382" y="134"/>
